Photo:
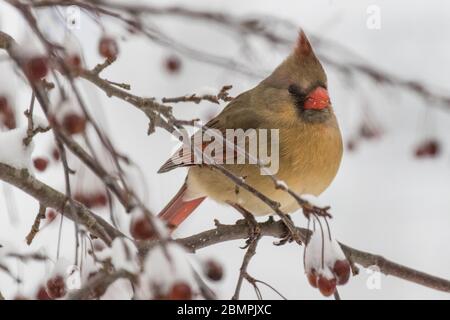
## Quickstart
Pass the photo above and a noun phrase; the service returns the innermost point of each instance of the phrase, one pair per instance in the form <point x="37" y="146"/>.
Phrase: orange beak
<point x="317" y="99"/>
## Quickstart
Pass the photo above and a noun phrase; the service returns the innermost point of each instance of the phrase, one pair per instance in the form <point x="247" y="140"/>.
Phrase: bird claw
<point x="255" y="233"/>
<point x="288" y="238"/>
<point x="309" y="210"/>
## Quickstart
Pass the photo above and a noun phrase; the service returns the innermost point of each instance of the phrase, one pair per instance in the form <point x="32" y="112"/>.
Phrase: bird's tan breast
<point x="309" y="158"/>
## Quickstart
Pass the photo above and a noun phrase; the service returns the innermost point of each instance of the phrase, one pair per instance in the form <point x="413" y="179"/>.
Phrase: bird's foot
<point x="254" y="233"/>
<point x="288" y="238"/>
<point x="253" y="226"/>
<point x="309" y="210"/>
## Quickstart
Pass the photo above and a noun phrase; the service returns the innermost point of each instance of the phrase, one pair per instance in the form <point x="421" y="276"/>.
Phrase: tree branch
<point x="277" y="229"/>
<point x="49" y="197"/>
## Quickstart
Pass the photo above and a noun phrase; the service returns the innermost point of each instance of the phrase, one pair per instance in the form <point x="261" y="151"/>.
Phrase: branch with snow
<point x="277" y="229"/>
<point x="51" y="198"/>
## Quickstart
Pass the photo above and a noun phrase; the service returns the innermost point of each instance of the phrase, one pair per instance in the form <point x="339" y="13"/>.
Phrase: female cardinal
<point x="293" y="99"/>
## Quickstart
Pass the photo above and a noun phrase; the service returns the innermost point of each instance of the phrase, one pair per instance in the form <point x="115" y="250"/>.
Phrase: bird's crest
<point x="303" y="47"/>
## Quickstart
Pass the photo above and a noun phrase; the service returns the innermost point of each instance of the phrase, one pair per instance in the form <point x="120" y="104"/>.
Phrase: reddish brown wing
<point x="236" y="113"/>
<point x="184" y="157"/>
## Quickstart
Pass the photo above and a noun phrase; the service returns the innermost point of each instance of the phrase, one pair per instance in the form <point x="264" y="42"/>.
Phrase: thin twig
<point x="222" y="95"/>
<point x="243" y="270"/>
<point x="37" y="222"/>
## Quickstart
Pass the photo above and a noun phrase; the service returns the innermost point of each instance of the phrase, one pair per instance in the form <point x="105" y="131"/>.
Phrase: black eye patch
<point x="297" y="94"/>
<point x="294" y="89"/>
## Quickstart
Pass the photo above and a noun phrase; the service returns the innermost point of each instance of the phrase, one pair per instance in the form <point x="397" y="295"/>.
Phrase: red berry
<point x="141" y="229"/>
<point x="430" y="148"/>
<point x="172" y="64"/>
<point x="40" y="164"/>
<point x="50" y="215"/>
<point x="180" y="291"/>
<point x="342" y="271"/>
<point x="73" y="61"/>
<point x="55" y="154"/>
<point x="36" y="68"/>
<point x="108" y="47"/>
<point x="326" y="286"/>
<point x="8" y="119"/>
<point x="56" y="287"/>
<point x="74" y="123"/>
<point x="213" y="270"/>
<point x="42" y="294"/>
<point x="99" y="200"/>
<point x="312" y="278"/>
<point x="4" y="105"/>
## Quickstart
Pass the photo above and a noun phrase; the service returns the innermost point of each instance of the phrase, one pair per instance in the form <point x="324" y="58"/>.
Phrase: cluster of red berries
<point x="327" y="285"/>
<point x="41" y="163"/>
<point x="7" y="117"/>
<point x="36" y="67"/>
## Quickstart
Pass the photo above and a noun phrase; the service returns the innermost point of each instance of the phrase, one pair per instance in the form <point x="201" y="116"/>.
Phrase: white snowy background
<point x="383" y="199"/>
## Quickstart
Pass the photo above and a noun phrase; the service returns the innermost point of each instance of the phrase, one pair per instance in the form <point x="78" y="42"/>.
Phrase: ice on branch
<point x="315" y="201"/>
<point x="325" y="263"/>
<point x="123" y="254"/>
<point x="13" y="151"/>
<point x="167" y="273"/>
<point x="40" y="122"/>
<point x="321" y="253"/>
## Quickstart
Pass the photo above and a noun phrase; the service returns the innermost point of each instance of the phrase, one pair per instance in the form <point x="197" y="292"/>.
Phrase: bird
<point x="293" y="99"/>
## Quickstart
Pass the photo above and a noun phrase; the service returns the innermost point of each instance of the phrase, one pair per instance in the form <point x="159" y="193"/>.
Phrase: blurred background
<point x="392" y="193"/>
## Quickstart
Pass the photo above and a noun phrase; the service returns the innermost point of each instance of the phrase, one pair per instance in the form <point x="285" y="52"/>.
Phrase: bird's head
<point x="302" y="76"/>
